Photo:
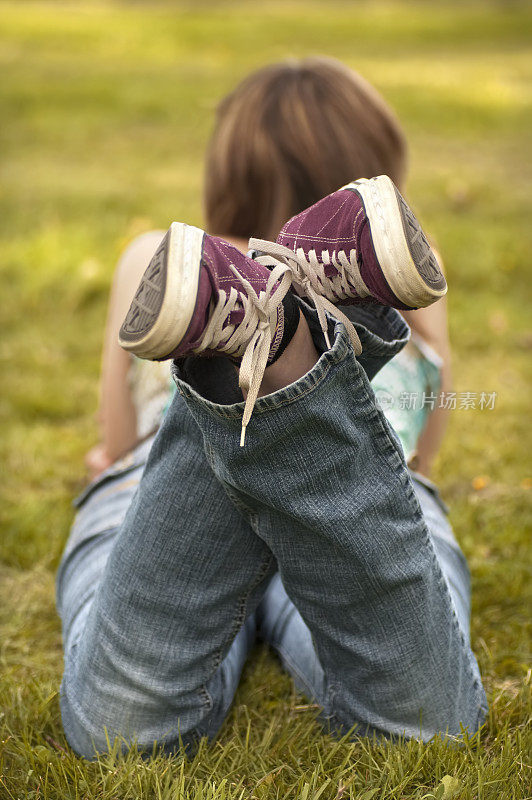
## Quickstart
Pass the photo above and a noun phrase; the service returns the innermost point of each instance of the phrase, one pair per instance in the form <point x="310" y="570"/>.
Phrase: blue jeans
<point x="314" y="532"/>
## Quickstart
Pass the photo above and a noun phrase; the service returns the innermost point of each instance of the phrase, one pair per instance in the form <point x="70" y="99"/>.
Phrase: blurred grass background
<point x="105" y="110"/>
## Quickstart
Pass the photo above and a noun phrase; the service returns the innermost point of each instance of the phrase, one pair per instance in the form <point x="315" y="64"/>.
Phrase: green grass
<point x="105" y="112"/>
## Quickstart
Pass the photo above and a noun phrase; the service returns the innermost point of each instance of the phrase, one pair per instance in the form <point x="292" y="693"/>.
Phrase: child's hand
<point x="97" y="460"/>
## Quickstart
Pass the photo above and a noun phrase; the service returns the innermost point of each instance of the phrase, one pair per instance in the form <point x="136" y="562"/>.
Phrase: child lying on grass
<point x="270" y="495"/>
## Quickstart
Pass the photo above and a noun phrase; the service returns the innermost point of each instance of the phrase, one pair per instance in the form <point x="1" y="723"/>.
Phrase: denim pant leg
<point x="156" y="591"/>
<point x="280" y="624"/>
<point x="323" y="476"/>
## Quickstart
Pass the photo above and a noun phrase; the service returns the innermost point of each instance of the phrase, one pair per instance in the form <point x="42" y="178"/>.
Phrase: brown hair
<point x="290" y="134"/>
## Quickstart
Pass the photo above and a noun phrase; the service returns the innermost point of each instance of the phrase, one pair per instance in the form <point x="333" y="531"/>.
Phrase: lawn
<point x="105" y="111"/>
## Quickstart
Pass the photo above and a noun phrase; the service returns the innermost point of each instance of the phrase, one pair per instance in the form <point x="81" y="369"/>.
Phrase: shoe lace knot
<point x="308" y="275"/>
<point x="251" y="339"/>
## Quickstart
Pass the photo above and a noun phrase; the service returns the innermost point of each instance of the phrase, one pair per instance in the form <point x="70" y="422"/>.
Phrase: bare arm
<point x="118" y="423"/>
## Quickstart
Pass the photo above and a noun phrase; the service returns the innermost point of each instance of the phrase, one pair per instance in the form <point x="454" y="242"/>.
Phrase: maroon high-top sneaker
<point x="200" y="295"/>
<point x="359" y="244"/>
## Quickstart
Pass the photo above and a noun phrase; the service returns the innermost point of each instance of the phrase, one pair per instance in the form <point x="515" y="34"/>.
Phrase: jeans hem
<point x="383" y="333"/>
<point x="289" y="394"/>
<point x="382" y="321"/>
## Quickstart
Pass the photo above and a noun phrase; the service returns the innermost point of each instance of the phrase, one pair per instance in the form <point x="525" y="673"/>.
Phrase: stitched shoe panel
<point x="368" y="246"/>
<point x="330" y="224"/>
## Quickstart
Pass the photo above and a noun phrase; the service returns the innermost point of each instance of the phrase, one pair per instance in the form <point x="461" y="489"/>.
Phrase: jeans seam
<point x="304" y="393"/>
<point x="238" y="621"/>
<point x="242" y="605"/>
<point x="206" y="698"/>
<point x="246" y="512"/>
<point x="242" y="612"/>
<point x="208" y="451"/>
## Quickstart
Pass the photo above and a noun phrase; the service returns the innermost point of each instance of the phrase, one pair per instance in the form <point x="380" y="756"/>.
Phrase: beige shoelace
<point x="309" y="277"/>
<point x="251" y="339"/>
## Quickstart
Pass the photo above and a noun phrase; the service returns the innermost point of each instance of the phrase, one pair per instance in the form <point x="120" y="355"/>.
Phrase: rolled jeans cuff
<point x="382" y="331"/>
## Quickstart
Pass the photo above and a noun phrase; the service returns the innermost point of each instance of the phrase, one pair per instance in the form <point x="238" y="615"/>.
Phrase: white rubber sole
<point x="164" y="302"/>
<point x="387" y="222"/>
